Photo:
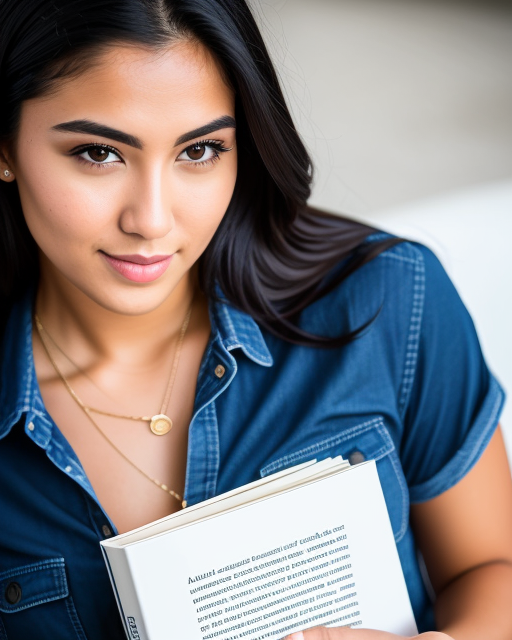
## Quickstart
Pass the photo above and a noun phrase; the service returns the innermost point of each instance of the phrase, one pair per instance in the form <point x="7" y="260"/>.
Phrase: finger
<point x="317" y="633"/>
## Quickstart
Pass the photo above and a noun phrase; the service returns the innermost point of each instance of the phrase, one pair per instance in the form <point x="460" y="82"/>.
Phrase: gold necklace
<point x="87" y="411"/>
<point x="160" y="423"/>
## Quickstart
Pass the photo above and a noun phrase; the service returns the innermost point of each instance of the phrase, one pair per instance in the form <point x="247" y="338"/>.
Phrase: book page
<point x="322" y="554"/>
<point x="281" y="481"/>
<point x="264" y="594"/>
<point x="167" y="522"/>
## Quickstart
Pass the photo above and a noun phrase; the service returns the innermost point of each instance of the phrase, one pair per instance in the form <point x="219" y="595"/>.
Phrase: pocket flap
<point x="32" y="584"/>
<point x="370" y="438"/>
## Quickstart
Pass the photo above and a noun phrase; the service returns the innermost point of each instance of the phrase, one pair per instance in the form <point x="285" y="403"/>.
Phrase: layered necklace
<point x="160" y="423"/>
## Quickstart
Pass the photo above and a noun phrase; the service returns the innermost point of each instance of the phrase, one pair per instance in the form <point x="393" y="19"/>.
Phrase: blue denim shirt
<point x="413" y="393"/>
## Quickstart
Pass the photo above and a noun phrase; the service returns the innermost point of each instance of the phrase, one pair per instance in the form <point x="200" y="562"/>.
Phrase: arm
<point x="465" y="536"/>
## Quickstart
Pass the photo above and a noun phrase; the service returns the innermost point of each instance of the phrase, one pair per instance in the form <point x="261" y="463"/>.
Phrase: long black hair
<point x="271" y="253"/>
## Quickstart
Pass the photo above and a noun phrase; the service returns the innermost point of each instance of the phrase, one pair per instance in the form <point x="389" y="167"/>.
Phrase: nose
<point x="148" y="208"/>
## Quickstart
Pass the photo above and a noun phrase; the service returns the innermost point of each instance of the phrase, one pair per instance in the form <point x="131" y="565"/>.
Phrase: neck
<point x="89" y="331"/>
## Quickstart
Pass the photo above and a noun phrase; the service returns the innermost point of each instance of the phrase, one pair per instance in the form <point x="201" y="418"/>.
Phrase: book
<point x="308" y="546"/>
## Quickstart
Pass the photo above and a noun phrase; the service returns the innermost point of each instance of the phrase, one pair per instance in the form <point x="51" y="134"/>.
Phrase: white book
<point x="307" y="546"/>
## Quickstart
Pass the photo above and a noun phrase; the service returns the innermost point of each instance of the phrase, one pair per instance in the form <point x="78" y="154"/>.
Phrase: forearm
<point x="478" y="604"/>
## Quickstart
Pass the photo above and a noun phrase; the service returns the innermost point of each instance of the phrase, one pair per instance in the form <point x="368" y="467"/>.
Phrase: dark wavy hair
<point x="271" y="253"/>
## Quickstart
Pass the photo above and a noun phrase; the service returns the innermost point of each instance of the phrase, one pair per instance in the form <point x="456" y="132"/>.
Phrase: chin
<point x="136" y="302"/>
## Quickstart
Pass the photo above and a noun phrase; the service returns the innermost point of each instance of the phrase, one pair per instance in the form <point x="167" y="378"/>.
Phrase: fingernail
<point x="296" y="636"/>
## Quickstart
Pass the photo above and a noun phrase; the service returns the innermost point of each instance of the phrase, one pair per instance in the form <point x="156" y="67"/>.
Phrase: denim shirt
<point x="412" y="392"/>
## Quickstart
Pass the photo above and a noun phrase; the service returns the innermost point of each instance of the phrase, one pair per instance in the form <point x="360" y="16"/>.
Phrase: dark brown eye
<point x="196" y="152"/>
<point x="98" y="154"/>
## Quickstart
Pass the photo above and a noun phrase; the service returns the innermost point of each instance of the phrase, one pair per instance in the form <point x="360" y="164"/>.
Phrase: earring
<point x="7" y="173"/>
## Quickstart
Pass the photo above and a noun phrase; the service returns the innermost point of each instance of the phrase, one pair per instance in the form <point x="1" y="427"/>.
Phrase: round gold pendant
<point x="160" y="424"/>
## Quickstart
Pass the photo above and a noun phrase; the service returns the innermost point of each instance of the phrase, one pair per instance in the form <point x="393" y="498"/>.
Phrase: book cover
<point x="311" y="546"/>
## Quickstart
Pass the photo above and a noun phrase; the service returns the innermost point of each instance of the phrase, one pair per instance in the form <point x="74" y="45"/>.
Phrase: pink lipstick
<point x="138" y="268"/>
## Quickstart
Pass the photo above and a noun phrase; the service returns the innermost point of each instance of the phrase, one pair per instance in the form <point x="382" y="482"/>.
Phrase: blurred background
<point x="397" y="100"/>
<point x="406" y="109"/>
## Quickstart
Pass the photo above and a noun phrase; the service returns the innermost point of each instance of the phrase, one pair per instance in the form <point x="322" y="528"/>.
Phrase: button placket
<point x="204" y="449"/>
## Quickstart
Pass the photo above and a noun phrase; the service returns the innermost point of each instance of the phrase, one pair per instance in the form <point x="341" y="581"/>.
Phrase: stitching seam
<point x="413" y="338"/>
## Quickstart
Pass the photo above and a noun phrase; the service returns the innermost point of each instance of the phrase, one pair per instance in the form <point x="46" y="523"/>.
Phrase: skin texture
<point x="153" y="201"/>
<point x="114" y="338"/>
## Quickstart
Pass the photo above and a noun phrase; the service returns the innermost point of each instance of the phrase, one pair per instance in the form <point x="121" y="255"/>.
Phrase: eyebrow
<point x="97" y="129"/>
<point x="225" y="122"/>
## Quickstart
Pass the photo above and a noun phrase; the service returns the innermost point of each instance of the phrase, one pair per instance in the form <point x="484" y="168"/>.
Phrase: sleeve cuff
<point x="468" y="455"/>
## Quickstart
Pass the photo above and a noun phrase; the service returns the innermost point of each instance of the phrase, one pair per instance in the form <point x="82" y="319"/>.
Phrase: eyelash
<point x="216" y="145"/>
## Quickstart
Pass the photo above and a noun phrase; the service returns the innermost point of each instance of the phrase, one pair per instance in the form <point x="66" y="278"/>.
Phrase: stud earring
<point x="7" y="173"/>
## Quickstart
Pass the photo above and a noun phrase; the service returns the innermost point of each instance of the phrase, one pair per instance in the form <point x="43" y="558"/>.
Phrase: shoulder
<point x="392" y="287"/>
<point x="412" y="319"/>
<point x="407" y="265"/>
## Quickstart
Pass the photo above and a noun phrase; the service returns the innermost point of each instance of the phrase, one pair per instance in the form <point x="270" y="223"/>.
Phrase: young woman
<point x="176" y="321"/>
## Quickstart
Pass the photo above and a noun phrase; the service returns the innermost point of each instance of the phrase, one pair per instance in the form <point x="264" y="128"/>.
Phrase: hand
<point x="322" y="633"/>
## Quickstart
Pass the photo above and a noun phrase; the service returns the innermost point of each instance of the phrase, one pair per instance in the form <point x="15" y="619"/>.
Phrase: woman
<point x="178" y="322"/>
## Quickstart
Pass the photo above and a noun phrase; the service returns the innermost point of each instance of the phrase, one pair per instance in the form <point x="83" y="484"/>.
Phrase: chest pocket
<point x="25" y="590"/>
<point x="367" y="441"/>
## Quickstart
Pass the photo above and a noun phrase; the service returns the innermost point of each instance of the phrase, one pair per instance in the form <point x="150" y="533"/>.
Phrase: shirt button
<point x="219" y="371"/>
<point x="356" y="457"/>
<point x="31" y="426"/>
<point x="13" y="593"/>
<point x="68" y="469"/>
<point x="107" y="531"/>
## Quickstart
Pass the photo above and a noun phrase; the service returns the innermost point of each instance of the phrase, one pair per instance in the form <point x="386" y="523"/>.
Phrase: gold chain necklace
<point x="87" y="410"/>
<point x="160" y="423"/>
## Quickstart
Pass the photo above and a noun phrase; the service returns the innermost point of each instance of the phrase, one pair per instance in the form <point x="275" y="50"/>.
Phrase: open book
<point x="308" y="546"/>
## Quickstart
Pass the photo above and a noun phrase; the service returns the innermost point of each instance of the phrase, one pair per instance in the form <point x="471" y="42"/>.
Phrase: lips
<point x="137" y="268"/>
<point x="136" y="259"/>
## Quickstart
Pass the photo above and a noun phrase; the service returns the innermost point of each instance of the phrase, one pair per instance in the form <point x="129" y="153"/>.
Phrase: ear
<point x="6" y="171"/>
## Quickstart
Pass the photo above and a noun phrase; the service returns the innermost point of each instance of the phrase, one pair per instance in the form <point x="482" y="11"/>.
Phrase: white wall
<point x="397" y="100"/>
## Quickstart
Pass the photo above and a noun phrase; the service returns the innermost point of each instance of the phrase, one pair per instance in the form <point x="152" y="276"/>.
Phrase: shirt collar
<point x="237" y="330"/>
<point x="20" y="394"/>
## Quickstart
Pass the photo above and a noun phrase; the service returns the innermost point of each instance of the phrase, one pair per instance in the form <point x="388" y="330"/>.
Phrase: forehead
<point x="129" y="87"/>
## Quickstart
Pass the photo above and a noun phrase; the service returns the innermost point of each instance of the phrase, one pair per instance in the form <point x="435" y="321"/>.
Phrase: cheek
<point x="60" y="210"/>
<point x="203" y="205"/>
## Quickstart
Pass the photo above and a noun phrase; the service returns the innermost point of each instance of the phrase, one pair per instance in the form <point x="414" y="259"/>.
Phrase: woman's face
<point x="126" y="171"/>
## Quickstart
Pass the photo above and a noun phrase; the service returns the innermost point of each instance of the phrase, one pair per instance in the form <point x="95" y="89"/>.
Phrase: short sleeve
<point x="454" y="401"/>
